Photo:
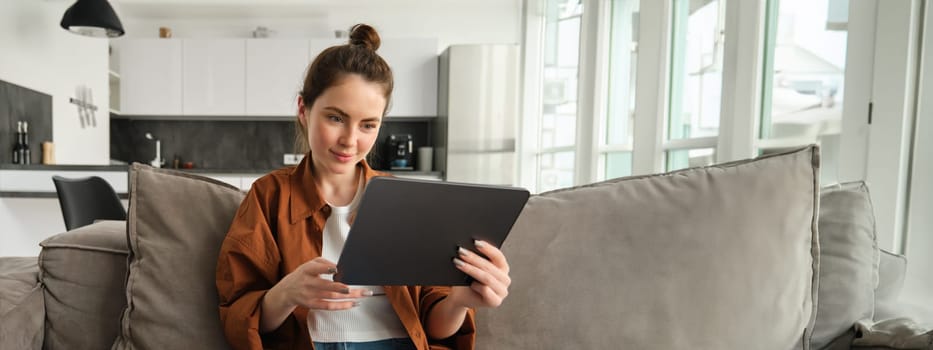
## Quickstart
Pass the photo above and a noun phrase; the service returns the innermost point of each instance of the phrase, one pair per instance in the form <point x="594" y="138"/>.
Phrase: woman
<point x="274" y="273"/>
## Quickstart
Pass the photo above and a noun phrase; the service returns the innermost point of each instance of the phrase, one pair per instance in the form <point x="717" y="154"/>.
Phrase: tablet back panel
<point x="407" y="231"/>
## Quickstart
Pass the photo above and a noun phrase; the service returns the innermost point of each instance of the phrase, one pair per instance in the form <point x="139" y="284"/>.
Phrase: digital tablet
<point x="406" y="231"/>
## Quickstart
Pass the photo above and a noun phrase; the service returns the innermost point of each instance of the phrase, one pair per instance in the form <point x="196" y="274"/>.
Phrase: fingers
<point x="320" y="304"/>
<point x="494" y="254"/>
<point x="319" y="266"/>
<point x="324" y="294"/>
<point x="494" y="279"/>
<point x="495" y="271"/>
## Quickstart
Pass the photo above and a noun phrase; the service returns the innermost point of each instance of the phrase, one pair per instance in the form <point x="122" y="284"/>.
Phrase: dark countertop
<point x="194" y="170"/>
<point x="124" y="168"/>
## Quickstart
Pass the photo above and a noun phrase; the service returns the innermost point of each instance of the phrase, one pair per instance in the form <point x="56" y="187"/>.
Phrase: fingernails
<point x="331" y="270"/>
<point x="479" y="243"/>
<point x="461" y="251"/>
<point x="367" y="293"/>
<point x="345" y="291"/>
<point x="458" y="262"/>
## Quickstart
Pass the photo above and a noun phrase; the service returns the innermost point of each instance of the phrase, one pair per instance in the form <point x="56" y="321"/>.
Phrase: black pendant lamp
<point x="92" y="18"/>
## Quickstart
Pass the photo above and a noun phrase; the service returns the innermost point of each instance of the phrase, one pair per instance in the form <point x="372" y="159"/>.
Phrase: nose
<point x="349" y="136"/>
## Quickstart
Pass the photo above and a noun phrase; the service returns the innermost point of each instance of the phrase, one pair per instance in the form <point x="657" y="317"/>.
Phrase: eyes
<point x="368" y="125"/>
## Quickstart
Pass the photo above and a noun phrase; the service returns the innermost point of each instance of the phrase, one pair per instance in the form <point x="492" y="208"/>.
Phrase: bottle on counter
<point x="24" y="150"/>
<point x="18" y="144"/>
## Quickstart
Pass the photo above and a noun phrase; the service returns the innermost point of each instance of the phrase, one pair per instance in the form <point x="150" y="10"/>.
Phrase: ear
<point x="302" y="112"/>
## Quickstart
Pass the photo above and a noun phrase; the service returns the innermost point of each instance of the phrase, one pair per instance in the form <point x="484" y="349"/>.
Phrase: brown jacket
<point x="279" y="227"/>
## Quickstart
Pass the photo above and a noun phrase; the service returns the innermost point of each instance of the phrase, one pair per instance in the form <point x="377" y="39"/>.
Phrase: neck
<point x="336" y="189"/>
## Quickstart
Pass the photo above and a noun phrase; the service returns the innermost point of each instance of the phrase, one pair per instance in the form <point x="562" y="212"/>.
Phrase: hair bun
<point x="365" y="36"/>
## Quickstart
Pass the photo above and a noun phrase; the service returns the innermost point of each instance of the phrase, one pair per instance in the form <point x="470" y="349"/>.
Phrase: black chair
<point x="84" y="200"/>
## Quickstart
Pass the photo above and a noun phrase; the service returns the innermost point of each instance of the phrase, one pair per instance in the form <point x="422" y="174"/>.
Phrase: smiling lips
<point x="342" y="157"/>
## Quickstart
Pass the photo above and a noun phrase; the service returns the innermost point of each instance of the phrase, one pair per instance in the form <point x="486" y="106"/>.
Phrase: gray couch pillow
<point x="177" y="222"/>
<point x="722" y="257"/>
<point x="22" y="310"/>
<point x="84" y="273"/>
<point x="848" y="261"/>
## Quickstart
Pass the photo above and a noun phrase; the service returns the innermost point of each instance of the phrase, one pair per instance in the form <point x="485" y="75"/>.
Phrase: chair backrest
<point x="84" y="200"/>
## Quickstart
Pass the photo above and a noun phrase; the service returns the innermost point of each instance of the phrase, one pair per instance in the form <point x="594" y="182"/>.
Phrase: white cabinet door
<point x="274" y="75"/>
<point x="151" y="77"/>
<point x="214" y="77"/>
<point x="414" y="67"/>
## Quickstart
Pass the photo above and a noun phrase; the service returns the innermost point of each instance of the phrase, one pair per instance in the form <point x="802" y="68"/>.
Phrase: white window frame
<point x="741" y="91"/>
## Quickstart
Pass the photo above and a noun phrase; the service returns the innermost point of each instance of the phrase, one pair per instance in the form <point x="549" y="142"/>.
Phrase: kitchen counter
<point x="403" y="173"/>
<point x="35" y="180"/>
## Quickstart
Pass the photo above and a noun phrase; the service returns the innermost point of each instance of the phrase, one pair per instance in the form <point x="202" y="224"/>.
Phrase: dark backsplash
<point x="18" y="103"/>
<point x="258" y="145"/>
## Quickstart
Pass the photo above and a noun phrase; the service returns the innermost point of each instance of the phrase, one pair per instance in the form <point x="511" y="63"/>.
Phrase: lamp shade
<point x="92" y="18"/>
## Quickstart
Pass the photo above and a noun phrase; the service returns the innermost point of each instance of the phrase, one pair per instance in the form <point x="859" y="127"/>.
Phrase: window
<point x="615" y="154"/>
<point x="697" y="42"/>
<point x="804" y="72"/>
<point x="559" y="96"/>
<point x="706" y="90"/>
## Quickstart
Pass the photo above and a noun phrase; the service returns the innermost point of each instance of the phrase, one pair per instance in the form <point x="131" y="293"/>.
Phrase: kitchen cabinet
<point x="414" y="66"/>
<point x="213" y="77"/>
<point x="255" y="78"/>
<point x="151" y="75"/>
<point x="316" y="45"/>
<point x="274" y="75"/>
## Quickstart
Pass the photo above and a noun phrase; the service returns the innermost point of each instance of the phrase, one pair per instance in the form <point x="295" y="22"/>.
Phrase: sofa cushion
<point x="22" y="310"/>
<point x="722" y="257"/>
<point x="848" y="261"/>
<point x="177" y="222"/>
<point x="84" y="273"/>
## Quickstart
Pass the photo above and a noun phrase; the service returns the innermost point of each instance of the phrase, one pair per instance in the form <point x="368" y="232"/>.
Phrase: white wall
<point x="35" y="52"/>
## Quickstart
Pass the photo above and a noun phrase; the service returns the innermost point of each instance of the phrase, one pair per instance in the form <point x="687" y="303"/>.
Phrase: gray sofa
<point x="723" y="257"/>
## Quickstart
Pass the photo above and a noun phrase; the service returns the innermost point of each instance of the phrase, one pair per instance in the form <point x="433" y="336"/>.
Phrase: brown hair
<point x="358" y="56"/>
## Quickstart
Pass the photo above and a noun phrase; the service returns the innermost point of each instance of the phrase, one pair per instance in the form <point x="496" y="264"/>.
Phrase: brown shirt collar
<point x="304" y="198"/>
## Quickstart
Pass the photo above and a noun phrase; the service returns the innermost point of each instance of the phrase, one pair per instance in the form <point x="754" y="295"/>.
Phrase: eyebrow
<point x="345" y="115"/>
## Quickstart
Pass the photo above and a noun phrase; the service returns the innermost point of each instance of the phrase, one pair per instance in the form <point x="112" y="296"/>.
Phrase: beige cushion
<point x="22" y="310"/>
<point x="848" y="261"/>
<point x="177" y="222"/>
<point x="84" y="273"/>
<point x="722" y="257"/>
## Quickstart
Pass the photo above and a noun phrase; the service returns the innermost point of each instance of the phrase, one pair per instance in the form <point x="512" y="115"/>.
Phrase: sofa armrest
<point x="922" y="315"/>
<point x="22" y="305"/>
<point x="895" y="333"/>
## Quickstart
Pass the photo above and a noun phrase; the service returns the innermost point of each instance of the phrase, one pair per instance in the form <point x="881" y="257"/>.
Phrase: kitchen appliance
<point x="399" y="148"/>
<point x="478" y="108"/>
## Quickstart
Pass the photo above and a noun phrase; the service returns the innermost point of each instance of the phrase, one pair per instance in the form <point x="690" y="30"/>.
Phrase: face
<point x="342" y="124"/>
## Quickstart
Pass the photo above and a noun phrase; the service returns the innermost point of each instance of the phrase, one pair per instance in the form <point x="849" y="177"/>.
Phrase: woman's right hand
<point x="305" y="287"/>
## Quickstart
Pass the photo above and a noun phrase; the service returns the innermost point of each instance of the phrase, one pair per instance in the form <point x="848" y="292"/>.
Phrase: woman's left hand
<point x="491" y="277"/>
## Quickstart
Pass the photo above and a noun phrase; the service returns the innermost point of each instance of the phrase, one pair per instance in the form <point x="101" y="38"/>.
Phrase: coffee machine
<point x="399" y="150"/>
